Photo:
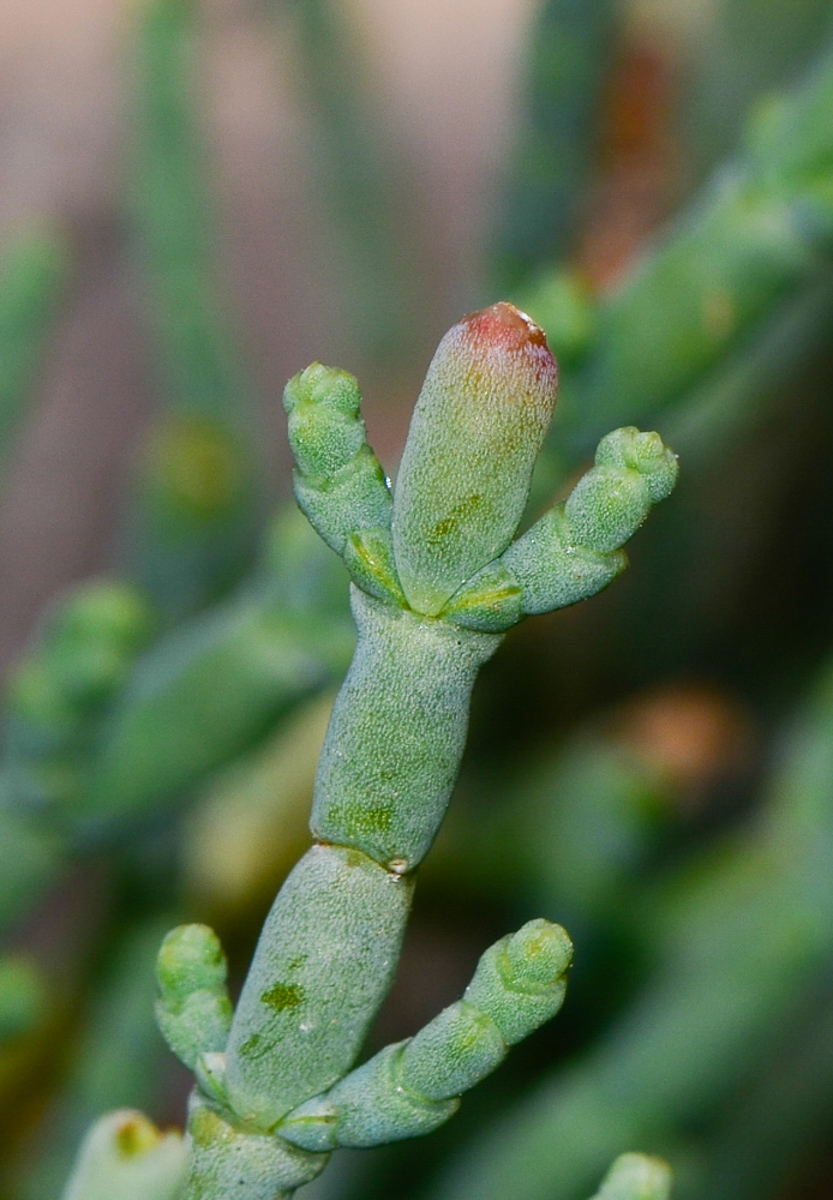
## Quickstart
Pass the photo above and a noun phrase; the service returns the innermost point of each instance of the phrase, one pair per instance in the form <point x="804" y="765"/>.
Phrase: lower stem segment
<point x="324" y="963"/>
<point x="226" y="1161"/>
<point x="397" y="733"/>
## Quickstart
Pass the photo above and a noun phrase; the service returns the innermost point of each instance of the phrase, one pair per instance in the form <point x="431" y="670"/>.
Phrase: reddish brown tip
<point x="503" y="342"/>
<point x="505" y="324"/>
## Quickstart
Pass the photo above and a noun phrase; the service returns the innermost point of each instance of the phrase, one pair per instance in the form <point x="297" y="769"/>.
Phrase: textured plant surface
<point x="437" y="580"/>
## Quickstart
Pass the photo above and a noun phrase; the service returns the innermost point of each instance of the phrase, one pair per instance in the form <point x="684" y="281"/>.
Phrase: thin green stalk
<point x="32" y="854"/>
<point x="743" y="392"/>
<point x="780" y="1117"/>
<point x="575" y="833"/>
<point x="22" y="995"/>
<point x="746" y="49"/>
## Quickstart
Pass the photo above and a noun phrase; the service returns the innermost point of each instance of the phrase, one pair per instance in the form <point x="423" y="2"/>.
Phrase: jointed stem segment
<point x="437" y="581"/>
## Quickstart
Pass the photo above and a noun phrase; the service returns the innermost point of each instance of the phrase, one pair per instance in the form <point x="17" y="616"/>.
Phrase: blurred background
<point x="199" y="197"/>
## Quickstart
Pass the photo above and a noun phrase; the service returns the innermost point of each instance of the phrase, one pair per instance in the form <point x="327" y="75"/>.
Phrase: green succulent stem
<point x="437" y="581"/>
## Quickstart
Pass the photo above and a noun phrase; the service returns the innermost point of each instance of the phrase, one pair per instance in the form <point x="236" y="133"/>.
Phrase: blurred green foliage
<point x="193" y="526"/>
<point x="567" y="64"/>
<point x="354" y="161"/>
<point x="33" y="273"/>
<point x="655" y="770"/>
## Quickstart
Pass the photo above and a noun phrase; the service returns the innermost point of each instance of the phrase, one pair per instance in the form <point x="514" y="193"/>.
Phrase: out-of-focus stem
<point x="33" y="271"/>
<point x="195" y="515"/>
<point x="568" y="54"/>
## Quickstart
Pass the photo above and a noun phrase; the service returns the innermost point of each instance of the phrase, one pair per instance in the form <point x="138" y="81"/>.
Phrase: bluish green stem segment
<point x="397" y="733"/>
<point x="324" y="963"/>
<point x="228" y="1161"/>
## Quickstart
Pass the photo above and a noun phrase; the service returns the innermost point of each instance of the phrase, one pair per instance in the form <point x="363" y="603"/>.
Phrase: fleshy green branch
<point x="209" y="690"/>
<point x="339" y="484"/>
<point x="330" y="945"/>
<point x="99" y="736"/>
<point x="324" y="963"/>
<point x="573" y="551"/>
<point x="413" y="1087"/>
<point x="193" y="1009"/>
